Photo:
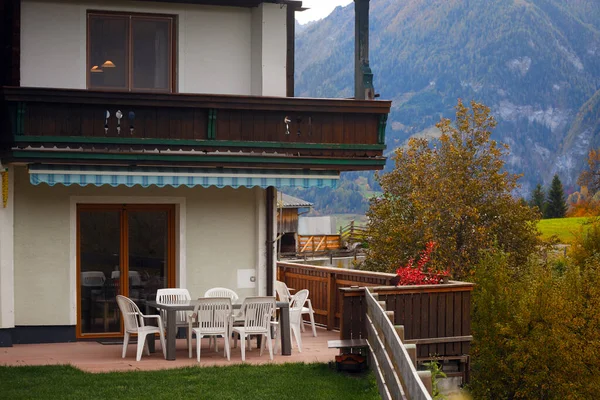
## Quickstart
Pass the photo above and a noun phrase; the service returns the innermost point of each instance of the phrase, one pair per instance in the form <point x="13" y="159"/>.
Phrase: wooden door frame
<point x="124" y="251"/>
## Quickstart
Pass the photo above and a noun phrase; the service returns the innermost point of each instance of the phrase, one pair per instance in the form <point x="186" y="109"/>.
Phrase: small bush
<point x="587" y="242"/>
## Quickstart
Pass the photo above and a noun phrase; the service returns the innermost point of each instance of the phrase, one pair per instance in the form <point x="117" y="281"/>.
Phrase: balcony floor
<point x="92" y="356"/>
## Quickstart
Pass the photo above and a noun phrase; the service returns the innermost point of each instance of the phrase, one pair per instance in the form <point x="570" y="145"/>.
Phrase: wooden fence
<point x="394" y="368"/>
<point x="352" y="233"/>
<point x="324" y="285"/>
<point x="318" y="243"/>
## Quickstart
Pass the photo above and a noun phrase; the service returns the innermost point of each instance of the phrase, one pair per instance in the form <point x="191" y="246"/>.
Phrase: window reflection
<point x="130" y="52"/>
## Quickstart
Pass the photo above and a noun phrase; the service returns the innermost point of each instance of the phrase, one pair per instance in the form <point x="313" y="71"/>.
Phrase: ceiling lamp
<point x="108" y="64"/>
<point x="95" y="68"/>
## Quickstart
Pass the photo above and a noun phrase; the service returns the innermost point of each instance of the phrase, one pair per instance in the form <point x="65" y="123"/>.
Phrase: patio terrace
<point x="91" y="356"/>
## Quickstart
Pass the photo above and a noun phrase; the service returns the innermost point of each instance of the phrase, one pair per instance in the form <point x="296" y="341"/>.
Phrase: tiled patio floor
<point x="92" y="356"/>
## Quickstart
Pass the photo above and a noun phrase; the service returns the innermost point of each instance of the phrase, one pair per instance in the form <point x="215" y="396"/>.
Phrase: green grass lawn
<point x="287" y="381"/>
<point x="564" y="228"/>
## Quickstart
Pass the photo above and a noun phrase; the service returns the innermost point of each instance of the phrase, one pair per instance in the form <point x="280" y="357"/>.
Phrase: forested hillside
<point x="536" y="63"/>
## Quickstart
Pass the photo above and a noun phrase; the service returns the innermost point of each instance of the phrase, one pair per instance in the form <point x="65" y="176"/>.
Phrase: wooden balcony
<point x="58" y="125"/>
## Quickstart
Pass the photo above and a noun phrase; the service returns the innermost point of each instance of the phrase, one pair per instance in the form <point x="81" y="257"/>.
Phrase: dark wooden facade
<point x="221" y="130"/>
<point x="287" y="222"/>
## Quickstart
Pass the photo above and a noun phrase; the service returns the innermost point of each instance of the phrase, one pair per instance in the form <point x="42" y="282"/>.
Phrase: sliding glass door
<point x="122" y="249"/>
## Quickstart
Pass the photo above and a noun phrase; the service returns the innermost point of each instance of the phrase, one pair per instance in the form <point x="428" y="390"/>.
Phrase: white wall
<point x="221" y="237"/>
<point x="274" y="50"/>
<point x="7" y="307"/>
<point x="215" y="44"/>
<point x="269" y="49"/>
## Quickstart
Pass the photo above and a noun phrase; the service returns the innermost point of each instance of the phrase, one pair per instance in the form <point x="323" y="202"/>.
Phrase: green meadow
<point x="563" y="228"/>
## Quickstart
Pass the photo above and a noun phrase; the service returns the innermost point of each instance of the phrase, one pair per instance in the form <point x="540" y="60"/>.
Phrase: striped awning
<point x="84" y="175"/>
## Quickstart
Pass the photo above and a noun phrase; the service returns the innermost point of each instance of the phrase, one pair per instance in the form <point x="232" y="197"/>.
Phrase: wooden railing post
<point x="281" y="274"/>
<point x="426" y="379"/>
<point x="352" y="322"/>
<point x="344" y="323"/>
<point x="411" y="349"/>
<point x="332" y="293"/>
<point x="400" y="331"/>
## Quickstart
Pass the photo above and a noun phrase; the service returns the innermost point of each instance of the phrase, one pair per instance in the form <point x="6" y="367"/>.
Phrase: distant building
<point x="289" y="208"/>
<point x="323" y="225"/>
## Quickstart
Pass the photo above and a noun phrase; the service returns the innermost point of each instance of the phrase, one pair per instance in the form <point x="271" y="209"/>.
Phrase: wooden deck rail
<point x="437" y="318"/>
<point x="324" y="283"/>
<point x="397" y="377"/>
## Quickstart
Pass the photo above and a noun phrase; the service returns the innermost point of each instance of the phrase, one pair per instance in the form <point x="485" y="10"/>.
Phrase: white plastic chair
<point x="296" y="305"/>
<point x="284" y="295"/>
<point x="133" y="319"/>
<point x="174" y="296"/>
<point x="257" y="313"/>
<point x="212" y="315"/>
<point x="224" y="292"/>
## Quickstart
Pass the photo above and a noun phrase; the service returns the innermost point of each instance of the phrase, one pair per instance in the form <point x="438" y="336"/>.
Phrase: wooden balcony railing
<point x="345" y="134"/>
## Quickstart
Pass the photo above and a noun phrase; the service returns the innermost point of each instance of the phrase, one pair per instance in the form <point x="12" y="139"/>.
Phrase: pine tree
<point x="538" y="198"/>
<point x="556" y="206"/>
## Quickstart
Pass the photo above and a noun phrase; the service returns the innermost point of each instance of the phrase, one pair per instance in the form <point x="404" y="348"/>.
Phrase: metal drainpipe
<point x="270" y="239"/>
<point x="363" y="76"/>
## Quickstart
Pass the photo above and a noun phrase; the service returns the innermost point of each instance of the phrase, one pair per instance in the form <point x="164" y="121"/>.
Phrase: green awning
<point x="84" y="175"/>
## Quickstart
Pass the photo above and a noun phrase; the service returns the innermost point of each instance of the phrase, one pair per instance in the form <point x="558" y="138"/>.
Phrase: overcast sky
<point x="318" y="9"/>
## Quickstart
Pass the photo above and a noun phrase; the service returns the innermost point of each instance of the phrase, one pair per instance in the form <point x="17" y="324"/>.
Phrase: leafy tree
<point x="535" y="333"/>
<point x="538" y="198"/>
<point x="591" y="177"/>
<point x="556" y="205"/>
<point x="454" y="192"/>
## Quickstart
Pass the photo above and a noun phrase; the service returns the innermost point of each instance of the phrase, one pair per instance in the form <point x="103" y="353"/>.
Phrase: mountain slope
<point x="534" y="62"/>
<point x="583" y="135"/>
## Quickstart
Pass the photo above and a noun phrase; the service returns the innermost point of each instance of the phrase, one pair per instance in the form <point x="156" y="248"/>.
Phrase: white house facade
<point x="142" y="145"/>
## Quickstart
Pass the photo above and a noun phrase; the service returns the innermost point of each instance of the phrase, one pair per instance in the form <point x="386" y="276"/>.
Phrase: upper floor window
<point x="131" y="52"/>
